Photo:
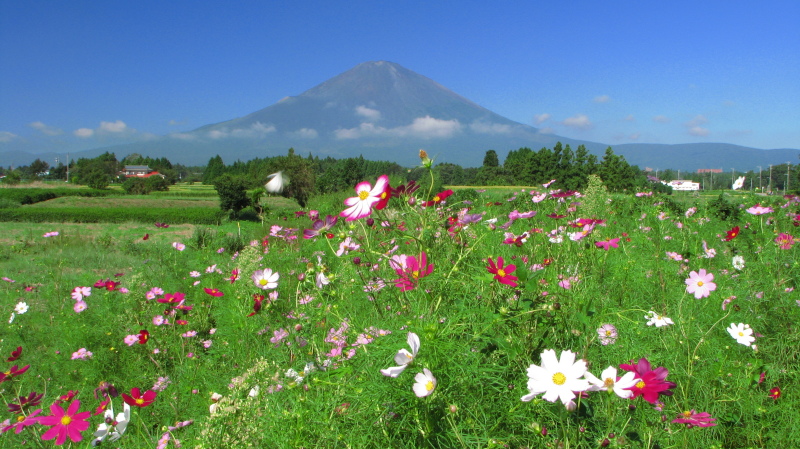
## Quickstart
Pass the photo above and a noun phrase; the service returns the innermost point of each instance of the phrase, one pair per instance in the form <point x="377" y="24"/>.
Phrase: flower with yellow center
<point x="609" y="382"/>
<point x="425" y="383"/>
<point x="742" y="333"/>
<point x="558" y="379"/>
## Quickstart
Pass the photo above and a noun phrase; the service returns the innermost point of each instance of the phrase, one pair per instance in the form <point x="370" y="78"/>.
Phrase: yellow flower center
<point x="501" y="272"/>
<point x="699" y="283"/>
<point x="741" y="334"/>
<point x="7" y="373"/>
<point x="262" y="282"/>
<point x="429" y="386"/>
<point x="140" y="401"/>
<point x="608" y="333"/>
<point x="362" y="195"/>
<point x="640" y="384"/>
<point x="20" y="418"/>
<point x="383" y="195"/>
<point x="609" y="382"/>
<point x="687" y="414"/>
<point x="559" y="378"/>
<point x="415" y="274"/>
<point x="65" y="420"/>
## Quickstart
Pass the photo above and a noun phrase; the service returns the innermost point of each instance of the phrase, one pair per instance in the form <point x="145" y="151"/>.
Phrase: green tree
<point x="491" y="159"/>
<point x="135" y="186"/>
<point x="232" y="191"/>
<point x="96" y="178"/>
<point x="214" y="169"/>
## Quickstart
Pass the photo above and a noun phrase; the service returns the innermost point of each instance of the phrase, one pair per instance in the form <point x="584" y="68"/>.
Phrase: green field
<point x="301" y="365"/>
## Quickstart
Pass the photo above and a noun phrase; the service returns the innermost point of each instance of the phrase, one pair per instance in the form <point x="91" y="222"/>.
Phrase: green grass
<point x="478" y="336"/>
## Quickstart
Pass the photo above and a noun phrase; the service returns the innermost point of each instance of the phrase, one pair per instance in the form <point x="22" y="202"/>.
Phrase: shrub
<point x="232" y="192"/>
<point x="136" y="186"/>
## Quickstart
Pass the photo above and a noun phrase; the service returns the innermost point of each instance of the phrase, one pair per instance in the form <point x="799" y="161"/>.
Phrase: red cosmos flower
<point x="172" y="298"/>
<point x="146" y="236"/>
<point x="143" y="336"/>
<point x="502" y="273"/>
<point x="15" y="354"/>
<point x="556" y="216"/>
<point x="13" y="372"/>
<point x="438" y="198"/>
<point x="66" y="398"/>
<point x="384" y="197"/>
<point x="234" y="275"/>
<point x="213" y="292"/>
<point x="563" y="194"/>
<point x="410" y="269"/>
<point x="694" y="419"/>
<point x="31" y="400"/>
<point x="775" y="393"/>
<point x="651" y="383"/>
<point x="257" y="300"/>
<point x="730" y="235"/>
<point x="136" y="399"/>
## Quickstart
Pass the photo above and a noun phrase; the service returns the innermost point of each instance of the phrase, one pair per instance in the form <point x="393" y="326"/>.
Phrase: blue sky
<point x="78" y="75"/>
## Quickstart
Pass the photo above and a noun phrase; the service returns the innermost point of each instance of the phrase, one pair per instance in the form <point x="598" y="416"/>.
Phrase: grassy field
<point x="239" y="357"/>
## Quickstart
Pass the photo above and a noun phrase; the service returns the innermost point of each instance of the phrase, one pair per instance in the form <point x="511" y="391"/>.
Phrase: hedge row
<point x="34" y="195"/>
<point x="190" y="215"/>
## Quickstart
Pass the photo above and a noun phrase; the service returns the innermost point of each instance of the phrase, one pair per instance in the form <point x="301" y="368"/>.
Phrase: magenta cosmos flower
<point x="652" y="382"/>
<point x="366" y="198"/>
<point x="502" y="273"/>
<point x="700" y="283"/>
<point x="410" y="271"/>
<point x="606" y="244"/>
<point x="784" y="241"/>
<point x="65" y="424"/>
<point x="694" y="419"/>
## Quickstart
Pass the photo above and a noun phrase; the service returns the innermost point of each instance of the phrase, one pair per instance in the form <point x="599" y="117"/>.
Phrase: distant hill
<point x="384" y="111"/>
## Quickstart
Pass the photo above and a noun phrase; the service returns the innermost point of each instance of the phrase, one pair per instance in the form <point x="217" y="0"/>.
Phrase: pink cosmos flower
<point x="179" y="246"/>
<point x="608" y="334"/>
<point x="502" y="273"/>
<point x="652" y="382"/>
<point x="694" y="419"/>
<point x="366" y="197"/>
<point x="759" y="210"/>
<point x="27" y="421"/>
<point x="79" y="306"/>
<point x="411" y="271"/>
<point x="700" y="284"/>
<point x="132" y="339"/>
<point x="65" y="424"/>
<point x="784" y="241"/>
<point x="606" y="244"/>
<point x="79" y="293"/>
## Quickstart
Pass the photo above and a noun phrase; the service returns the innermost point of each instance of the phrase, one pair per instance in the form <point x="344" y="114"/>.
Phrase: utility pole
<point x="67" y="168"/>
<point x="760" y="187"/>
<point x="786" y="187"/>
<point x="770" y="179"/>
<point x="733" y="176"/>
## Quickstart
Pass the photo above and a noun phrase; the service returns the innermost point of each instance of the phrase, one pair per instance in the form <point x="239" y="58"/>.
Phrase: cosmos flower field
<point x="394" y="317"/>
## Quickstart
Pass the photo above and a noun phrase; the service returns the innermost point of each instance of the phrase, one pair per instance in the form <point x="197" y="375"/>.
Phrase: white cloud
<point x="255" y="131"/>
<point x="371" y="115"/>
<point x="489" y="128"/>
<point x="602" y="99"/>
<point x="546" y="130"/>
<point x="697" y="121"/>
<point x="580" y="121"/>
<point x="117" y="128"/>
<point x="113" y="127"/>
<point x="176" y="122"/>
<point x="699" y="131"/>
<point x="661" y="119"/>
<point x="6" y="136"/>
<point x="183" y="136"/>
<point x="84" y="132"/>
<point x="423" y="127"/>
<point x="635" y="136"/>
<point x="306" y="133"/>
<point x="630" y="118"/>
<point x="44" y="129"/>
<point x="540" y="118"/>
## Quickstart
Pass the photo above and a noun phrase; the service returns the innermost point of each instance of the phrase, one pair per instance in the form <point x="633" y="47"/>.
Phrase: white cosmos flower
<point x="557" y="379"/>
<point x="277" y="182"/>
<point x="742" y="333"/>
<point x="657" y="320"/>
<point x="426" y="383"/>
<point x="21" y="307"/>
<point x="738" y="262"/>
<point x="608" y="382"/>
<point x="111" y="427"/>
<point x="265" y="279"/>
<point x="403" y="358"/>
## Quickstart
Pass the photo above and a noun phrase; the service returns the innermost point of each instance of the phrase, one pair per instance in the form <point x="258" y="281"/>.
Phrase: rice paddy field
<point x="510" y="317"/>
